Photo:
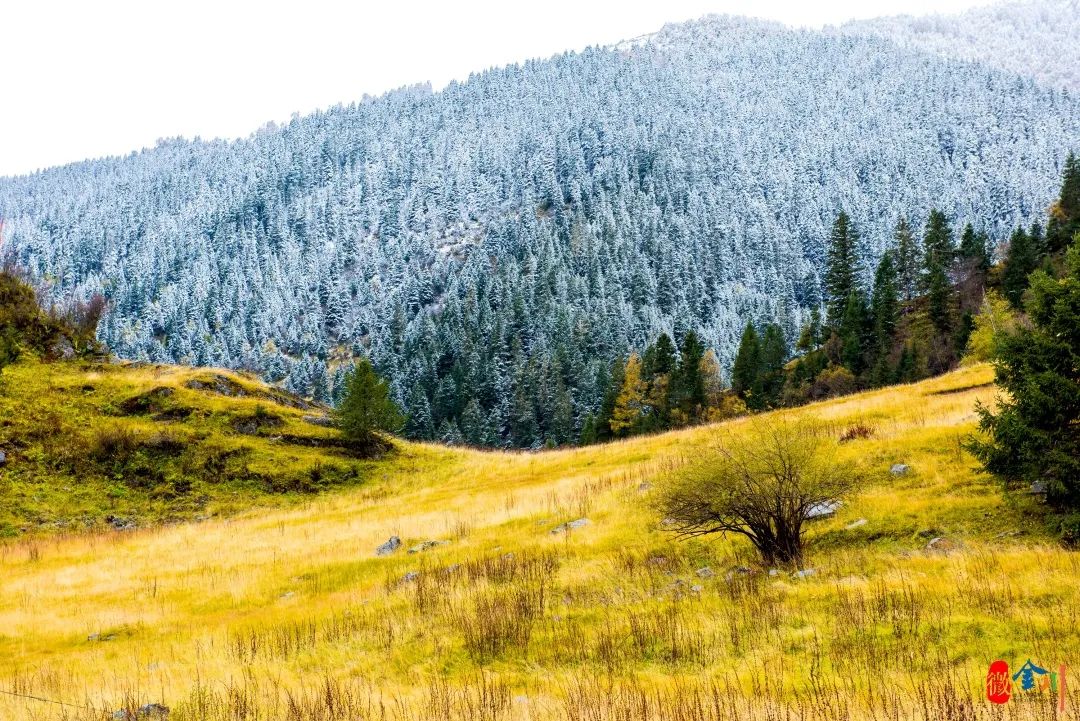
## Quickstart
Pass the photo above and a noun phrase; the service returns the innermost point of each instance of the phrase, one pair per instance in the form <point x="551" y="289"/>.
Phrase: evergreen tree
<point x="688" y="391"/>
<point x="884" y="314"/>
<point x="1034" y="433"/>
<point x="367" y="409"/>
<point x="612" y="384"/>
<point x="746" y="372"/>
<point x="662" y="359"/>
<point x="938" y="255"/>
<point x="908" y="261"/>
<point x="810" y="335"/>
<point x="1020" y="261"/>
<point x="853" y="334"/>
<point x="1065" y="213"/>
<point x="630" y="401"/>
<point x="472" y="426"/>
<point x="771" y="368"/>
<point x="843" y="270"/>
<point x="973" y="250"/>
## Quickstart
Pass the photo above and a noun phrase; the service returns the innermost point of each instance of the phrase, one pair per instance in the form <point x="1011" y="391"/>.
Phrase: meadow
<point x="284" y="610"/>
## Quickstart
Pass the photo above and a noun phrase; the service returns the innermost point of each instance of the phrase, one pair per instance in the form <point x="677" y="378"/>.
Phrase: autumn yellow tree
<point x="630" y="403"/>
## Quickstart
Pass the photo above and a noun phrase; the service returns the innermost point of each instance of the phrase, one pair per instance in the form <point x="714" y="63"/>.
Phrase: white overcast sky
<point x="86" y="79"/>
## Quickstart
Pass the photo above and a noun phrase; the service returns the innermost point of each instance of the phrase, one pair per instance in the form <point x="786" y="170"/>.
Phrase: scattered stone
<point x="508" y="557"/>
<point x="392" y="544"/>
<point x="644" y="487"/>
<point x="738" y="571"/>
<point x="1008" y="534"/>
<point x="927" y="533"/>
<point x="804" y="573"/>
<point x="3" y="458"/>
<point x="941" y="545"/>
<point x="900" y="469"/>
<point x="705" y="572"/>
<point x="153" y="401"/>
<point x="287" y="595"/>
<point x="773" y="573"/>
<point x="421" y="547"/>
<point x="410" y="577"/>
<point x="1038" y="488"/>
<point x="120" y="524"/>
<point x="153" y="711"/>
<point x="856" y="524"/>
<point x="823" y="510"/>
<point x="571" y="526"/>
<point x="696" y="589"/>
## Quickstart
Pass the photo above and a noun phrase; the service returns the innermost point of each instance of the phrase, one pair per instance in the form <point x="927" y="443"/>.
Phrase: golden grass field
<point x="286" y="612"/>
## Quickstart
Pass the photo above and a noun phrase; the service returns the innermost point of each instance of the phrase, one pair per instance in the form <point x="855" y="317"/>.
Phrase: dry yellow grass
<point x="289" y="614"/>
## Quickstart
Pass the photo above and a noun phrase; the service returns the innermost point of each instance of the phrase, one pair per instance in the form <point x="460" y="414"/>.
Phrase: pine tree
<point x="773" y="356"/>
<point x="472" y="424"/>
<point x="630" y="402"/>
<point x="1034" y="433"/>
<point x="908" y="261"/>
<point x="1065" y="213"/>
<point x="612" y="383"/>
<point x="884" y="313"/>
<point x="746" y="372"/>
<point x="810" y="335"/>
<point x="853" y="334"/>
<point x="663" y="356"/>
<point x="938" y="255"/>
<point x="1020" y="261"/>
<point x="367" y="408"/>
<point x="688" y="388"/>
<point x="843" y="271"/>
<point x="973" y="250"/>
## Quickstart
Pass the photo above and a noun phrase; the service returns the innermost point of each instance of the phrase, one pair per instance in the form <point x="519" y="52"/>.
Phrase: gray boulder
<point x="705" y="572"/>
<point x="804" y="573"/>
<point x="823" y="510"/>
<point x="3" y="458"/>
<point x="421" y="547"/>
<point x="941" y="545"/>
<point x="900" y="469"/>
<point x="1038" y="488"/>
<point x="571" y="525"/>
<point x="392" y="544"/>
<point x="855" y="524"/>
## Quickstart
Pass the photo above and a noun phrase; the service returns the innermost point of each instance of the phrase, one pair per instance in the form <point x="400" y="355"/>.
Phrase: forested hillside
<point x="493" y="247"/>
<point x="1035" y="38"/>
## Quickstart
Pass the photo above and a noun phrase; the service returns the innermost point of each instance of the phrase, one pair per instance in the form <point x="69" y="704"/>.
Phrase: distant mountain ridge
<point x="495" y="245"/>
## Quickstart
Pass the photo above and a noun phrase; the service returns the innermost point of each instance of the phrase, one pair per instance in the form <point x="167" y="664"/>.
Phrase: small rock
<point x="804" y="573"/>
<point x="856" y="524"/>
<point x="696" y="589"/>
<point x="571" y="526"/>
<point x="62" y="349"/>
<point x="120" y="524"/>
<point x="738" y="571"/>
<point x="773" y="573"/>
<point x="153" y="711"/>
<point x="941" y="545"/>
<point x="421" y="547"/>
<point x="3" y="458"/>
<point x="900" y="469"/>
<point x="927" y="533"/>
<point x="410" y="577"/>
<point x="1038" y="488"/>
<point x="644" y="486"/>
<point x="705" y="572"/>
<point x="324" y="421"/>
<point x="392" y="544"/>
<point x="823" y="510"/>
<point x="287" y="594"/>
<point x="93" y="637"/>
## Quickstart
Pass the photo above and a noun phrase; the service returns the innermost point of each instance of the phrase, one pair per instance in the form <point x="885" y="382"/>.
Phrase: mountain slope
<point x="493" y="247"/>
<point x="290" y="614"/>
<point x="1034" y="38"/>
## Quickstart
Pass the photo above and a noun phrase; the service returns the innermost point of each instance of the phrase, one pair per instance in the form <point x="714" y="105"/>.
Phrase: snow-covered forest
<point x="1036" y="38"/>
<point x="492" y="247"/>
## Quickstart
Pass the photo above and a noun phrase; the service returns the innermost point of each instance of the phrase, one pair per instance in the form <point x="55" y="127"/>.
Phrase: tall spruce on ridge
<point x="884" y="313"/>
<point x="1065" y="213"/>
<point x="938" y="256"/>
<point x="973" y="249"/>
<point x="843" y="270"/>
<point x="908" y="259"/>
<point x="1034" y="433"/>
<point x="746" y="371"/>
<point x="1021" y="259"/>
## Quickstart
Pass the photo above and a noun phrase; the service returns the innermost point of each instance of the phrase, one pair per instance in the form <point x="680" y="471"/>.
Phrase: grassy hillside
<point x="91" y="444"/>
<point x="288" y="612"/>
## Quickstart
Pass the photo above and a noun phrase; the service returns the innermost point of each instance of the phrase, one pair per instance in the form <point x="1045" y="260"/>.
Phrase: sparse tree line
<point x="934" y="296"/>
